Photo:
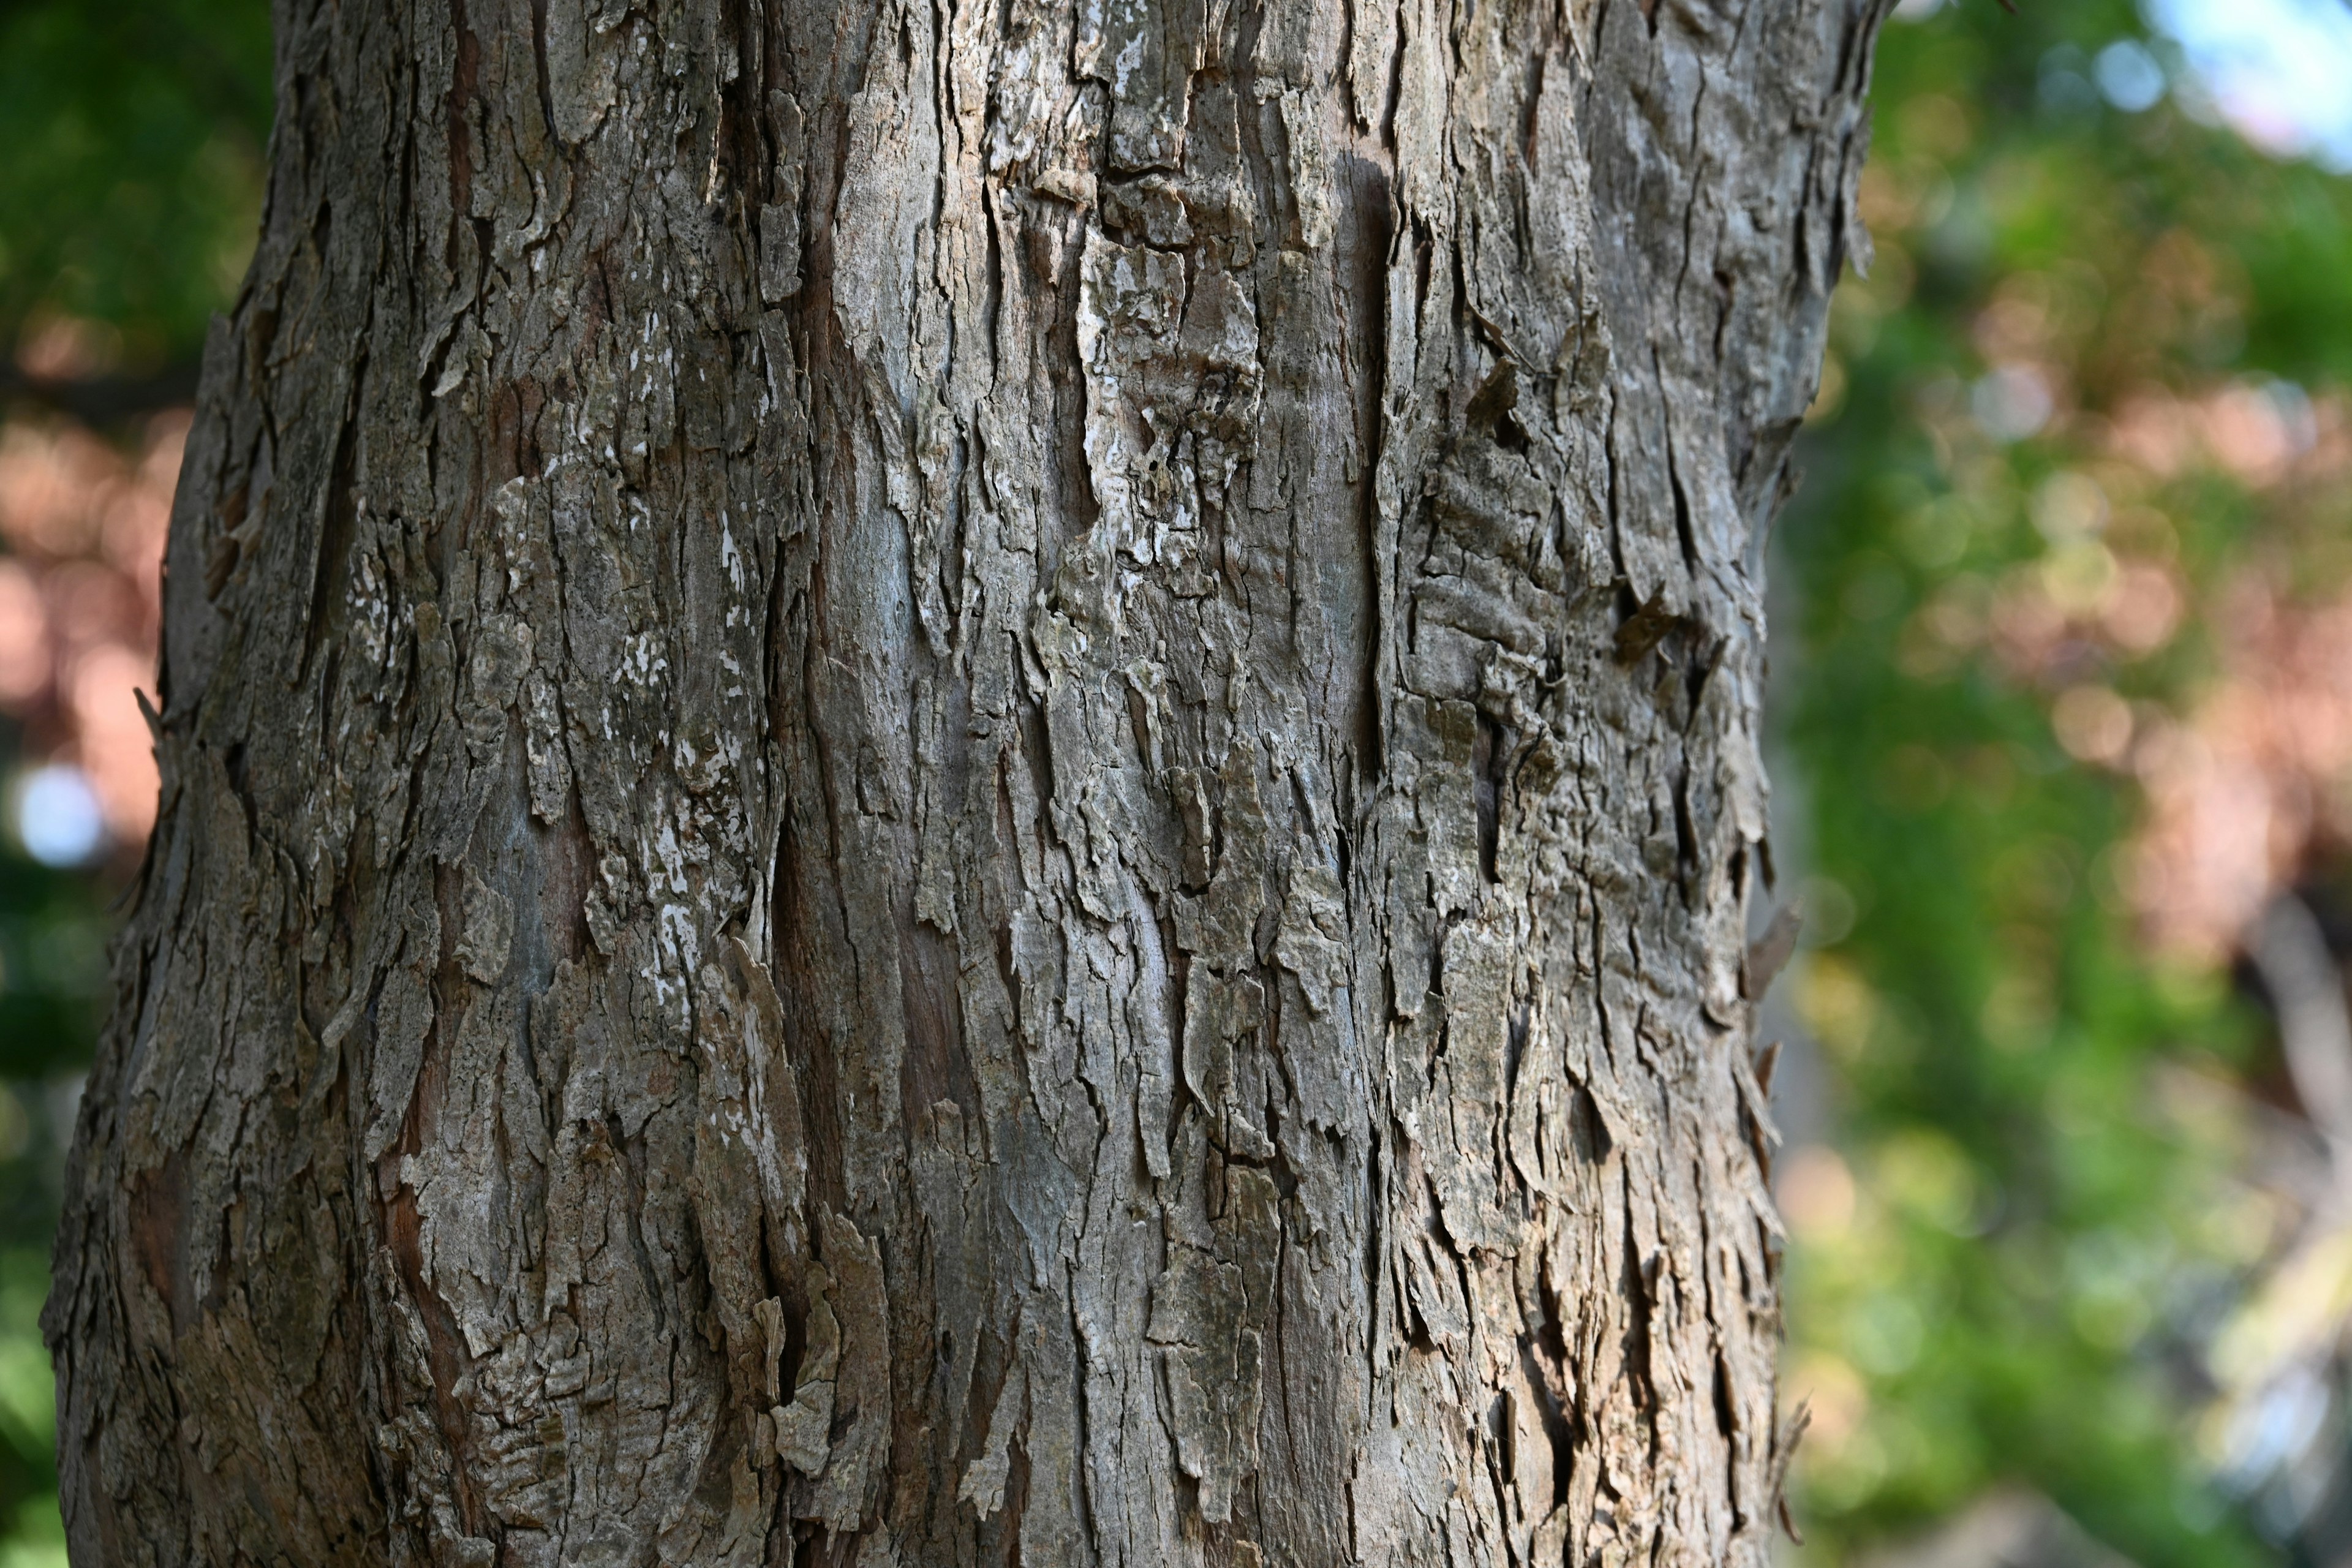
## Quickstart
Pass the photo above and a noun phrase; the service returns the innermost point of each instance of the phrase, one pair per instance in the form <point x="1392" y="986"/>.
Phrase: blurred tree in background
<point x="2064" y="698"/>
<point x="2062" y="672"/>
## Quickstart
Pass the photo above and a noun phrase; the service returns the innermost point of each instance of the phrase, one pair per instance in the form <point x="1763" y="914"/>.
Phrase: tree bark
<point x="957" y="783"/>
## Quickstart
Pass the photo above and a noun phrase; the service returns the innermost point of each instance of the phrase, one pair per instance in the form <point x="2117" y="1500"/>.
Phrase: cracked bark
<point x="968" y="782"/>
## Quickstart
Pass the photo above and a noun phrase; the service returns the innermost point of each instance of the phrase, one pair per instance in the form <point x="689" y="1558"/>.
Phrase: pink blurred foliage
<point x="83" y="522"/>
<point x="2255" y="779"/>
<point x="2258" y="432"/>
<point x="2246" y="780"/>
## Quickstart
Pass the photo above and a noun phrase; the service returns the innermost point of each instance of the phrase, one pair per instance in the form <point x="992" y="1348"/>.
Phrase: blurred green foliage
<point x="2004" y="1273"/>
<point x="136" y="131"/>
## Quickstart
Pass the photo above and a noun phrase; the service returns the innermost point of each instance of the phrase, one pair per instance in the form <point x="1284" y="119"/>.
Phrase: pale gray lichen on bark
<point x="951" y="783"/>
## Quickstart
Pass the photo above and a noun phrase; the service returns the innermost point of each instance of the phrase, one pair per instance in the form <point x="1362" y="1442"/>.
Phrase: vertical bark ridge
<point x="954" y="783"/>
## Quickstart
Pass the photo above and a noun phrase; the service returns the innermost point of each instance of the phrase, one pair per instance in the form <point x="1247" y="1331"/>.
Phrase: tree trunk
<point x="968" y="783"/>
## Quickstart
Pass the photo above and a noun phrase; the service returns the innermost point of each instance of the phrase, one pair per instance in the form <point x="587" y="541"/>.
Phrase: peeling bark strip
<point x="968" y="782"/>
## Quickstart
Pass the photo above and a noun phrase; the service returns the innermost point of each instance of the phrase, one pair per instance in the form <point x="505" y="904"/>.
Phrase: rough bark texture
<point x="969" y="782"/>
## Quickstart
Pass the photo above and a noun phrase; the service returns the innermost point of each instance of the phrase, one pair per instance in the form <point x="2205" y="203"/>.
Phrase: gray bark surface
<point x="969" y="782"/>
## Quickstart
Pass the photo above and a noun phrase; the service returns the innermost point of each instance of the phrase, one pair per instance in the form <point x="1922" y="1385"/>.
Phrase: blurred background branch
<point x="104" y="401"/>
<point x="2306" y="990"/>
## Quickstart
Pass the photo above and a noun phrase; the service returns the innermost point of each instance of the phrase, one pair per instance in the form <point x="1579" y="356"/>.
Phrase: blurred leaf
<point x="131" y="192"/>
